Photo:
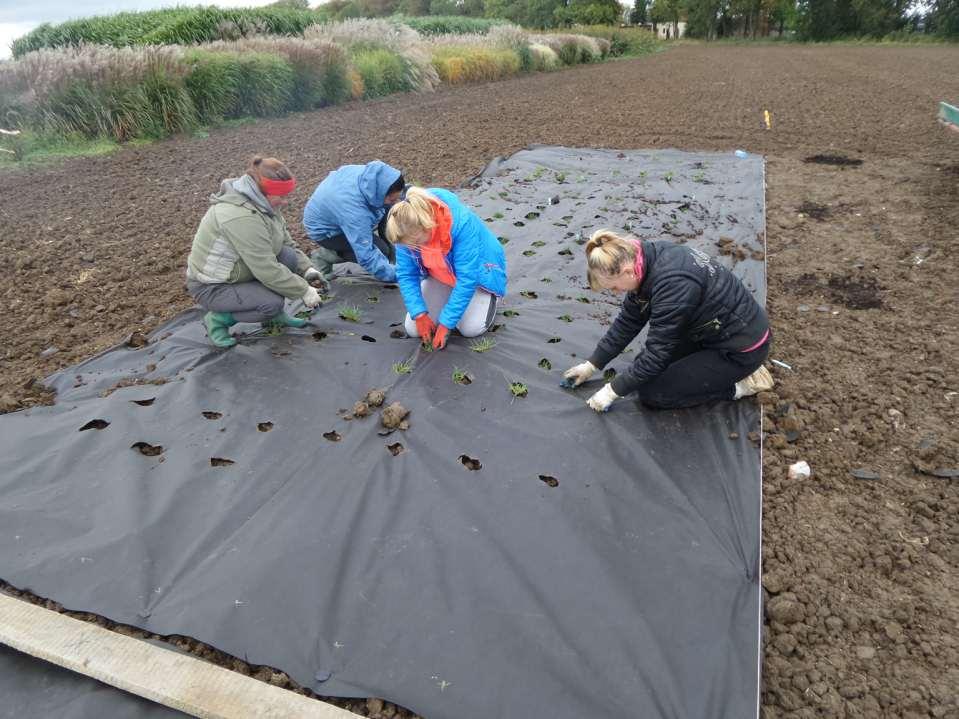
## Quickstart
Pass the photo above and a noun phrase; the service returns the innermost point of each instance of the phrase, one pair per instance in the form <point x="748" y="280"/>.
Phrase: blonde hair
<point x="607" y="254"/>
<point x="409" y="215"/>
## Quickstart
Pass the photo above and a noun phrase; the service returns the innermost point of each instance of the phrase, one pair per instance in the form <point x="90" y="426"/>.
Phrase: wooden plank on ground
<point x="176" y="680"/>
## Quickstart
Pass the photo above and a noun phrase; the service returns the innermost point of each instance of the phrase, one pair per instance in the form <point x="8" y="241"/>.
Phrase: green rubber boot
<point x="323" y="260"/>
<point x="217" y="328"/>
<point x="283" y="320"/>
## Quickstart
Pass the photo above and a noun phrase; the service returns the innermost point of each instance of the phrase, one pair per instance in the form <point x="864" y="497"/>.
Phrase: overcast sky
<point x="18" y="17"/>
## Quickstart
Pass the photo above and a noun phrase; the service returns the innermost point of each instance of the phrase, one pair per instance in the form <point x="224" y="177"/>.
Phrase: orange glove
<point x="425" y="327"/>
<point x="439" y="339"/>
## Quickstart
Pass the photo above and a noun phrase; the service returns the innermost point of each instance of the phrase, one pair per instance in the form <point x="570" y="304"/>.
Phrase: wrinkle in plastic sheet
<point x="630" y="589"/>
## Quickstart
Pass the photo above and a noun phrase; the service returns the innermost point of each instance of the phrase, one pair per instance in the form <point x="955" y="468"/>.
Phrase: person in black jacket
<point x="708" y="337"/>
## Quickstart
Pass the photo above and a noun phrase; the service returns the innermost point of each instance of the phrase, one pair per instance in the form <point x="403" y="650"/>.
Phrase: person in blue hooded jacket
<point x="343" y="214"/>
<point x="450" y="268"/>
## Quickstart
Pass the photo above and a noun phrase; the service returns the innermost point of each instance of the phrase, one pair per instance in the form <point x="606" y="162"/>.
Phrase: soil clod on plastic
<point x="470" y="463"/>
<point x="94" y="424"/>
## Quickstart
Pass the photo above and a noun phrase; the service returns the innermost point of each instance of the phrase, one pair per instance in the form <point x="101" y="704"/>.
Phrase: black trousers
<point x="699" y="375"/>
<point x="341" y="246"/>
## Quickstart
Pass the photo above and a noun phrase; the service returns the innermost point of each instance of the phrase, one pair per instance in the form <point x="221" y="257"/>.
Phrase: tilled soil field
<point x="861" y="561"/>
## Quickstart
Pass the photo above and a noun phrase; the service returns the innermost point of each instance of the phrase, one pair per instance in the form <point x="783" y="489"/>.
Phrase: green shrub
<point x="624" y="41"/>
<point x="383" y="71"/>
<point x="267" y="86"/>
<point x="450" y="24"/>
<point x="213" y="84"/>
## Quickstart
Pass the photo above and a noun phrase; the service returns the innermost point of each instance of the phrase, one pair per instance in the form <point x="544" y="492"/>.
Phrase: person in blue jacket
<point x="343" y="213"/>
<point x="450" y="268"/>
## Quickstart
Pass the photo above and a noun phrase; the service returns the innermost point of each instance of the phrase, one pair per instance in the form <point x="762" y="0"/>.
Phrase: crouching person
<point x="708" y="337"/>
<point x="450" y="268"/>
<point x="243" y="263"/>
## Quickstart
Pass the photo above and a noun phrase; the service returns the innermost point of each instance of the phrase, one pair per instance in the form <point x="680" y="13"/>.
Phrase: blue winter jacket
<point x="349" y="202"/>
<point x="476" y="259"/>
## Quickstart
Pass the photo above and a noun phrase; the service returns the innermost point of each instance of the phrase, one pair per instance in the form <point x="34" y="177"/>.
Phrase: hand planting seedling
<point x="351" y="313"/>
<point x="483" y="345"/>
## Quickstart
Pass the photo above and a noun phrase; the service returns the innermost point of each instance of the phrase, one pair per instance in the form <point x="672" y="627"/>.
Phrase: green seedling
<point x="503" y="240"/>
<point x="545" y="364"/>
<point x="609" y="374"/>
<point x="546" y="279"/>
<point x="532" y="215"/>
<point x="510" y="313"/>
<point x="668" y="177"/>
<point x="529" y="253"/>
<point x="582" y="178"/>
<point x="642" y="176"/>
<point x="504" y="195"/>
<point x="461" y="376"/>
<point x="529" y="294"/>
<point x="561" y="177"/>
<point x="584" y="300"/>
<point x="497" y="215"/>
<point x="565" y="318"/>
<point x="403" y="367"/>
<point x="303" y="315"/>
<point x="518" y="389"/>
<point x="699" y="177"/>
<point x="536" y="174"/>
<point x="351" y="313"/>
<point x="538" y="243"/>
<point x="373" y="299"/>
<point x="483" y="345"/>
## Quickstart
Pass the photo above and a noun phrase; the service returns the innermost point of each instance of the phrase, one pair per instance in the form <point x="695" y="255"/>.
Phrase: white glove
<point x="603" y="399"/>
<point x="580" y="373"/>
<point x="312" y="298"/>
<point x="312" y="274"/>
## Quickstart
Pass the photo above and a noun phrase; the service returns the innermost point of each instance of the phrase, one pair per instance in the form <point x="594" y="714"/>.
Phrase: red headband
<point x="277" y="188"/>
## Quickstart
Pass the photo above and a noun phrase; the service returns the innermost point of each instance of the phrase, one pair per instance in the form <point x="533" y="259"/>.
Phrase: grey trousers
<point x="475" y="321"/>
<point x="246" y="301"/>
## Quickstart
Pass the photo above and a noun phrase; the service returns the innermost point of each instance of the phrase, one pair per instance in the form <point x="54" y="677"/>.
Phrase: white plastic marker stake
<point x="769" y="119"/>
<point x="781" y="364"/>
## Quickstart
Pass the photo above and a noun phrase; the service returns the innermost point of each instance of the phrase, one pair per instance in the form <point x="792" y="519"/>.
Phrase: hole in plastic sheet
<point x="367" y="338"/>
<point x="495" y="328"/>
<point x="395" y="448"/>
<point x="554" y="340"/>
<point x="532" y="215"/>
<point x="565" y="318"/>
<point x="566" y="252"/>
<point x="503" y="240"/>
<point x="538" y="243"/>
<point x="398" y="335"/>
<point x="317" y="336"/>
<point x="545" y="364"/>
<point x="470" y="463"/>
<point x="220" y="462"/>
<point x="94" y="424"/>
<point x="548" y="479"/>
<point x="529" y="294"/>
<point x="584" y="300"/>
<point x="147" y="449"/>
<point x="212" y="415"/>
<point x="332" y="435"/>
<point x="529" y="253"/>
<point x="144" y="402"/>
<point x="264" y="426"/>
<point x="519" y="223"/>
<point x="609" y="374"/>
<point x="510" y="313"/>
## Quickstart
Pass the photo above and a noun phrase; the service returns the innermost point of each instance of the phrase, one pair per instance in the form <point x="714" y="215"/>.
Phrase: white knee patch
<point x="410" y="326"/>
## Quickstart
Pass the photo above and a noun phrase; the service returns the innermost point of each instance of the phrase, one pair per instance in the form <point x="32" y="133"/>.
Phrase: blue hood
<point x="374" y="182"/>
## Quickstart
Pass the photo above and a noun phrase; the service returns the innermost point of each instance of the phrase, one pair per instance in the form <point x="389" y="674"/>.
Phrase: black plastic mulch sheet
<point x="590" y="566"/>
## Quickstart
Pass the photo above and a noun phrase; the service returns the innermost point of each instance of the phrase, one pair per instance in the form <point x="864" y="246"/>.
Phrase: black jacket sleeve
<point x="672" y="303"/>
<point x="629" y="323"/>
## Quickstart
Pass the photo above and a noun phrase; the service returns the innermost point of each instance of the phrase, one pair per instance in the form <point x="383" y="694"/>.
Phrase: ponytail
<point x="269" y="168"/>
<point x="410" y="215"/>
<point x="608" y="254"/>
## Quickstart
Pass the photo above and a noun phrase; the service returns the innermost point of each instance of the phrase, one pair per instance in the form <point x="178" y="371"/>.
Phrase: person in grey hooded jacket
<point x="343" y="214"/>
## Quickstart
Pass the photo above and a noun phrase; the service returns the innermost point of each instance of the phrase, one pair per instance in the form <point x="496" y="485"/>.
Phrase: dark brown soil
<point x="862" y="574"/>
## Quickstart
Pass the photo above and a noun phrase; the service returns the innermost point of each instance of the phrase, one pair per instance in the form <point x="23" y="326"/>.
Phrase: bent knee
<point x="410" y="326"/>
<point x="472" y="329"/>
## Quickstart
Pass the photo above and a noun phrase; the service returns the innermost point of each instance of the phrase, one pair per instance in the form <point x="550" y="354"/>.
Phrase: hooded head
<point x="376" y="182"/>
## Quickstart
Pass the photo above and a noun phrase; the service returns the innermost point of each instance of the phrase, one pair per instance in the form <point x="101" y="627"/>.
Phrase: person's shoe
<point x="218" y="328"/>
<point x="758" y="381"/>
<point x="284" y="320"/>
<point x="323" y="260"/>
